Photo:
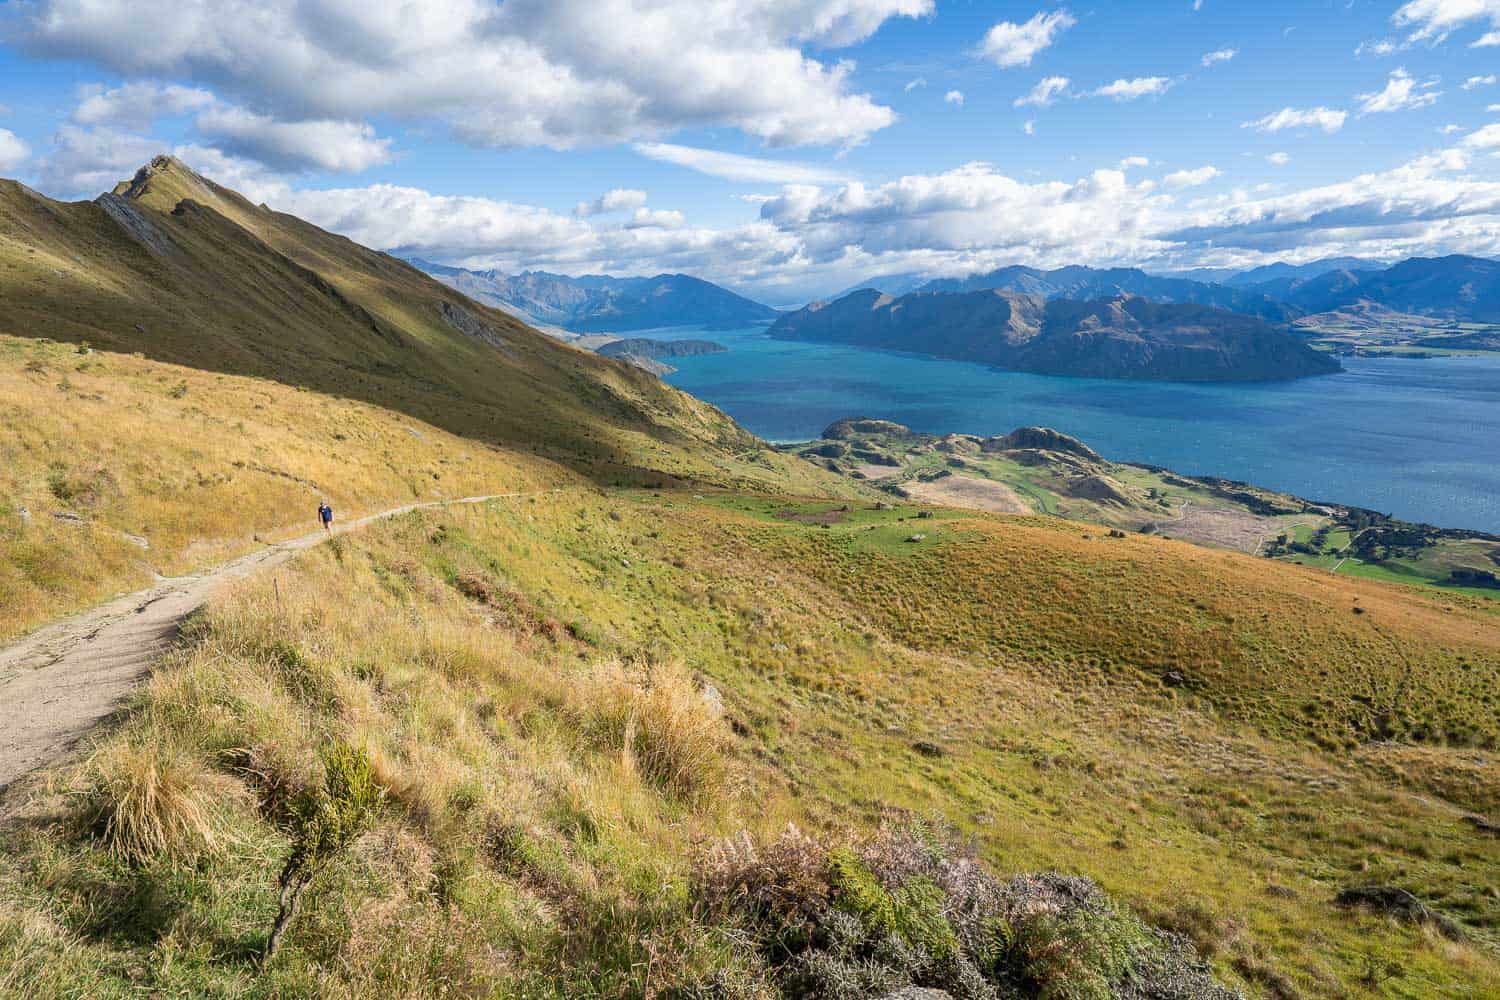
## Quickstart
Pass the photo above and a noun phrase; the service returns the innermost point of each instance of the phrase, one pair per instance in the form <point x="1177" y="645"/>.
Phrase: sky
<point x="789" y="148"/>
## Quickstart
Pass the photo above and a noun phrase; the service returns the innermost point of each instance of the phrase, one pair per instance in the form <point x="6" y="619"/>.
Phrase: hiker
<point x="325" y="514"/>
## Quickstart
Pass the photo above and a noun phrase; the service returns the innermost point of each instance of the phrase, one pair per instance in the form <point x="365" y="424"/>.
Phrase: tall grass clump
<point x="659" y="720"/>
<point x="147" y="799"/>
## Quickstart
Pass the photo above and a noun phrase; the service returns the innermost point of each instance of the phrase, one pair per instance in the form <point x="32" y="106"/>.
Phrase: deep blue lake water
<point x="1416" y="438"/>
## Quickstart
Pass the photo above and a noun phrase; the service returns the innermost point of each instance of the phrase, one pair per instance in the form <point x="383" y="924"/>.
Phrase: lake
<point x="1419" y="439"/>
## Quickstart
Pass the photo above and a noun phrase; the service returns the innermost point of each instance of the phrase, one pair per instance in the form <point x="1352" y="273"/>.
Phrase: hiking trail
<point x="60" y="681"/>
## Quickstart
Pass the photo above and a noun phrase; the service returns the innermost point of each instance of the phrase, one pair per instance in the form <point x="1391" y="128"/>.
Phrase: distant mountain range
<point x="1087" y="283"/>
<point x="1123" y="337"/>
<point x="1452" y="288"/>
<point x="600" y="304"/>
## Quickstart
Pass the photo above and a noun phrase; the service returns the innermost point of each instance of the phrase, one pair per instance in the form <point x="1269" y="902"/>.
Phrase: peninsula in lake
<point x="1121" y="337"/>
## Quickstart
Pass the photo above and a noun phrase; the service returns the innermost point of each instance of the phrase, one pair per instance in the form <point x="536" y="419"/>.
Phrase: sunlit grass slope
<point x="537" y="687"/>
<point x="114" y="468"/>
<point x="185" y="271"/>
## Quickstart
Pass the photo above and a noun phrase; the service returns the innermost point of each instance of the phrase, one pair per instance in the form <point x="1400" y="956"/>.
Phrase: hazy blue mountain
<point x="890" y="284"/>
<point x="599" y="304"/>
<point x="1280" y="271"/>
<point x="1087" y="283"/>
<point x="1455" y="287"/>
<point x="1121" y="337"/>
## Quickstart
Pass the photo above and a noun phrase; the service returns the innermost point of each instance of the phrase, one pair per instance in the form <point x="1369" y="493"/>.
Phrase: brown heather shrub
<point x="910" y="906"/>
<point x="150" y="798"/>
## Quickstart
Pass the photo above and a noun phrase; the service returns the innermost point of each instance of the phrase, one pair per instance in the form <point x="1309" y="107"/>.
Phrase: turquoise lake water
<point x="1419" y="439"/>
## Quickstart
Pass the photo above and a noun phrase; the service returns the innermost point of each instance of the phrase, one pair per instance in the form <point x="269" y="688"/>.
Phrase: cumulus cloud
<point x="1130" y="90"/>
<point x="1484" y="138"/>
<point x="1218" y="56"/>
<point x="954" y="97"/>
<point x="1131" y="162"/>
<point x="649" y="218"/>
<point x="811" y="238"/>
<point x="138" y="104"/>
<point x="1191" y="178"/>
<point x="1009" y="44"/>
<point x="527" y="72"/>
<point x="1327" y="119"/>
<point x="615" y="200"/>
<point x="914" y="84"/>
<point x="13" y="151"/>
<point x="343" y="146"/>
<point x="1029" y="126"/>
<point x="84" y="161"/>
<point x="1402" y="92"/>
<point x="1278" y="159"/>
<point x="1488" y="80"/>
<point x="1045" y="92"/>
<point x="733" y="167"/>
<point x="1434" y="20"/>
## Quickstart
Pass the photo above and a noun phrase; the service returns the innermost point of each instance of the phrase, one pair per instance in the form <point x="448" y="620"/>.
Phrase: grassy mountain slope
<point x="531" y="684"/>
<point x="505" y="745"/>
<point x="1041" y="471"/>
<point x="178" y="268"/>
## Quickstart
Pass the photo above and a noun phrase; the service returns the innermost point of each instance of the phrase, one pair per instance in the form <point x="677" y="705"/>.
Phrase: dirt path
<point x="59" y="682"/>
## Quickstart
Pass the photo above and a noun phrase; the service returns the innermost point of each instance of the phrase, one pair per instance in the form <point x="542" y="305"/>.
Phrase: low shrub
<point x="911" y="907"/>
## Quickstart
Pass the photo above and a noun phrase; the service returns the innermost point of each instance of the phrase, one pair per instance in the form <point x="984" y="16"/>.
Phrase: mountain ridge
<point x="1124" y="337"/>
<point x="595" y="303"/>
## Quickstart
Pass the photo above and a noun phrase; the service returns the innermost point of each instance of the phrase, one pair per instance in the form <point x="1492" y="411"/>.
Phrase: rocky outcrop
<point x="643" y="347"/>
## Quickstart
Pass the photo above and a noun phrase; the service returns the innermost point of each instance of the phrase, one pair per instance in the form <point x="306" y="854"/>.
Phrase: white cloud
<point x="1045" y="92"/>
<point x="810" y="239"/>
<point x="1191" y="178"/>
<point x="615" y="200"/>
<point x="1450" y="129"/>
<point x="1132" y="162"/>
<point x="914" y="84"/>
<point x="648" y="218"/>
<point x="1381" y="48"/>
<point x="138" y="104"/>
<point x="1218" y="56"/>
<point x="347" y="147"/>
<point x="1327" y="119"/>
<point x="84" y="161"/>
<point x="1434" y="20"/>
<point x="1029" y="126"/>
<point x="527" y="72"/>
<point x="1402" y="93"/>
<point x="954" y="97"/>
<point x="1008" y="44"/>
<point x="733" y="167"/>
<point x="13" y="151"/>
<point x="1130" y="90"/>
<point x="1278" y="159"/>
<point x="1486" y="41"/>
<point x="1488" y="80"/>
<point x="1484" y="138"/>
<point x="1493" y="109"/>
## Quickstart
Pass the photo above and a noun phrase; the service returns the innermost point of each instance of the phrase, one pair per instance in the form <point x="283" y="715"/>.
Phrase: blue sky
<point x="790" y="148"/>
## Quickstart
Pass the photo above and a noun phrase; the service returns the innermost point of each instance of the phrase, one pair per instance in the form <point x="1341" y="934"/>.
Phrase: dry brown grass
<point x="151" y="798"/>
<point x="100" y="453"/>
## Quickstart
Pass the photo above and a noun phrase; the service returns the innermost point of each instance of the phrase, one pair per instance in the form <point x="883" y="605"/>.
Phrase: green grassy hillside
<point x="184" y="271"/>
<point x="551" y="746"/>
<point x="530" y="683"/>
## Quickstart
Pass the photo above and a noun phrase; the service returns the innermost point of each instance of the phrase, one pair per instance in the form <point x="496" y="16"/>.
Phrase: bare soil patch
<point x="814" y="516"/>
<point x="972" y="492"/>
<point x="872" y="471"/>
<point x="1229" y="529"/>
